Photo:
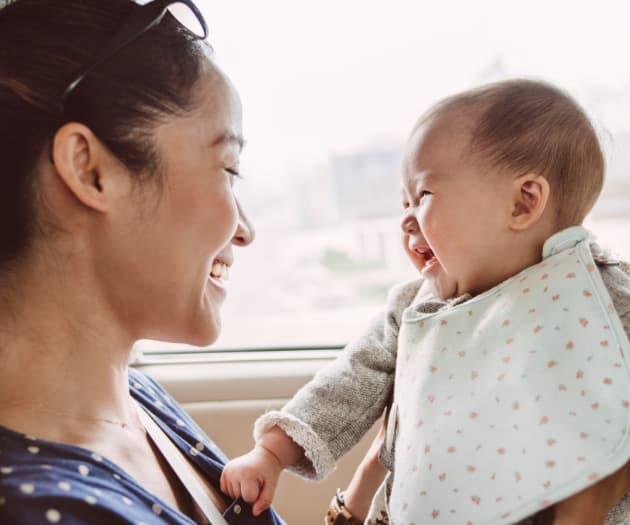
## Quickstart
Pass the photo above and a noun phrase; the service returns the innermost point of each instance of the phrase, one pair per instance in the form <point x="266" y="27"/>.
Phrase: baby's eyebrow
<point x="420" y="178"/>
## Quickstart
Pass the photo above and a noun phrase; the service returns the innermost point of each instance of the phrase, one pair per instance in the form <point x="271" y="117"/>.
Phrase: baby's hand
<point x="253" y="477"/>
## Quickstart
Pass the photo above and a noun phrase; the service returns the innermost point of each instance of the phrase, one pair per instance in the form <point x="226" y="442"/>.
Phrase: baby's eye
<point x="405" y="205"/>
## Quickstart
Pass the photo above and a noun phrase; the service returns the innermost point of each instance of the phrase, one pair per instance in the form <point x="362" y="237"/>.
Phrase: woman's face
<point x="169" y="263"/>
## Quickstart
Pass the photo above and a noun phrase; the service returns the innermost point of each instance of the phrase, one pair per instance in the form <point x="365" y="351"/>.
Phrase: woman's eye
<point x="424" y="194"/>
<point x="233" y="172"/>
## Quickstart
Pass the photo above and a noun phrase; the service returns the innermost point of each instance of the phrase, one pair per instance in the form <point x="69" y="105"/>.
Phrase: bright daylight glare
<point x="331" y="89"/>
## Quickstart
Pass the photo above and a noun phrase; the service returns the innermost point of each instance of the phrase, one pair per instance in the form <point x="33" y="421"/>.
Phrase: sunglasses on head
<point x="142" y="19"/>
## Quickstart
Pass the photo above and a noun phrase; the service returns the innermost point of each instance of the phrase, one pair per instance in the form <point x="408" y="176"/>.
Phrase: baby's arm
<point x="327" y="416"/>
<point x="254" y="476"/>
<point x="366" y="480"/>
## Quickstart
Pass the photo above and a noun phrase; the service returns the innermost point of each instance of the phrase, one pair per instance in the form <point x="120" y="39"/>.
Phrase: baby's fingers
<point x="250" y="489"/>
<point x="265" y="498"/>
<point x="234" y="489"/>
<point x="224" y="482"/>
<point x="227" y="481"/>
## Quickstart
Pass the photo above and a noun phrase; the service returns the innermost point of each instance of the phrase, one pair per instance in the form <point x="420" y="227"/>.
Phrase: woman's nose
<point x="245" y="232"/>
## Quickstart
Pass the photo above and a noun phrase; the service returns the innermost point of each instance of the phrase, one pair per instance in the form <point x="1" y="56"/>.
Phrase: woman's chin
<point x="205" y="333"/>
<point x="201" y="330"/>
<point x="196" y="324"/>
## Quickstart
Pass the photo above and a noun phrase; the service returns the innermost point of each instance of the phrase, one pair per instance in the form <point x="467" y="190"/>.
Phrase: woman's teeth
<point x="220" y="271"/>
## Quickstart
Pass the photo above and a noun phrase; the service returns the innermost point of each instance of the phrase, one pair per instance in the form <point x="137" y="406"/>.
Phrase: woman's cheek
<point x="226" y="214"/>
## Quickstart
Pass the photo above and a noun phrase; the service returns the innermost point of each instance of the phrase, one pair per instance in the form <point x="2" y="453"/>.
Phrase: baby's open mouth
<point x="429" y="257"/>
<point x="219" y="272"/>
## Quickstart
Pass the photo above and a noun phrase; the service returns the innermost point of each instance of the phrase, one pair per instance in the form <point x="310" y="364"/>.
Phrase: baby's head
<point x="488" y="175"/>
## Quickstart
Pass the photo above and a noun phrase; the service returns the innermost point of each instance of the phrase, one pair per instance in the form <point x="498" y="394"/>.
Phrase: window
<point x="330" y="90"/>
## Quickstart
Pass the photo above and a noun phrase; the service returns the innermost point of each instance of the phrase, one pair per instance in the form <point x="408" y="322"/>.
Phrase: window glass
<point x="330" y="90"/>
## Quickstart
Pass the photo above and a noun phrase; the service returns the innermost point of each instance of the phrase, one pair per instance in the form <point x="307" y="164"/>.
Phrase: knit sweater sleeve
<point x="616" y="278"/>
<point x="332" y="412"/>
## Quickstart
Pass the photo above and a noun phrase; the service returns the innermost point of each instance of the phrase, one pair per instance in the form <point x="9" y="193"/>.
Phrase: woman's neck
<point x="63" y="354"/>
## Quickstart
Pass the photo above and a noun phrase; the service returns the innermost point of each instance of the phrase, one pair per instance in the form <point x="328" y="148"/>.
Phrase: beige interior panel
<point x="225" y="394"/>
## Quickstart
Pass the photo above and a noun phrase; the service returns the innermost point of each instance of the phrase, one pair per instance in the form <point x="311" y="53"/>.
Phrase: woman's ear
<point x="530" y="194"/>
<point x="78" y="157"/>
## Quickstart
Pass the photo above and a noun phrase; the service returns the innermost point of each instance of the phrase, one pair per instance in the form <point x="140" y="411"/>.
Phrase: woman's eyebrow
<point x="229" y="137"/>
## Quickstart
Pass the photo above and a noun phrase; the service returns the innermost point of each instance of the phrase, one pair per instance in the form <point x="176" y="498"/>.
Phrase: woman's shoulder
<point x="183" y="429"/>
<point x="152" y="396"/>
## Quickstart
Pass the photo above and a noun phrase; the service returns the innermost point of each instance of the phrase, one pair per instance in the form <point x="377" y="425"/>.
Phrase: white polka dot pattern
<point x="27" y="488"/>
<point x="47" y="482"/>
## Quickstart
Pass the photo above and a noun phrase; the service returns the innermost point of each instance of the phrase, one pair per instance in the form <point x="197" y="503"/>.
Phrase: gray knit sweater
<point x="331" y="413"/>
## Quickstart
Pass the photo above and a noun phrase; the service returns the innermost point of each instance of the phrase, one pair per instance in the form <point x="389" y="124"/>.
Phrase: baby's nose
<point x="409" y="225"/>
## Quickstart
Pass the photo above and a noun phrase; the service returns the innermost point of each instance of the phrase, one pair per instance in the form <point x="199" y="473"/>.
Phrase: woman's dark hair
<point x="43" y="45"/>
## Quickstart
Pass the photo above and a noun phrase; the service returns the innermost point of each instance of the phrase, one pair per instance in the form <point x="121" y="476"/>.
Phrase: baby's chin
<point x="442" y="286"/>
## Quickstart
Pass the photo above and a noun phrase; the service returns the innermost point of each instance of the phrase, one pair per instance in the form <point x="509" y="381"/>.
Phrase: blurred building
<point x="367" y="183"/>
<point x="615" y="198"/>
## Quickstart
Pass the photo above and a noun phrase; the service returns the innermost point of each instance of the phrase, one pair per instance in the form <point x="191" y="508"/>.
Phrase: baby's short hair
<point x="526" y="126"/>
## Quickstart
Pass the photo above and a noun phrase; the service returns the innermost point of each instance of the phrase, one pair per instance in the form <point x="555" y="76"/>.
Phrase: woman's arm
<point x="592" y="505"/>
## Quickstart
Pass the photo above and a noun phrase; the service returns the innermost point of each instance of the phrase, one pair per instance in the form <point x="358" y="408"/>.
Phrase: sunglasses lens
<point x="186" y="17"/>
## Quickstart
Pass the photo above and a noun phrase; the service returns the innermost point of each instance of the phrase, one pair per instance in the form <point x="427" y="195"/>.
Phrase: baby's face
<point x="455" y="220"/>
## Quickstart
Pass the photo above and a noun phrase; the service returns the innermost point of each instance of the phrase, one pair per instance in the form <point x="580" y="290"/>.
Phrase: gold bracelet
<point x="338" y="514"/>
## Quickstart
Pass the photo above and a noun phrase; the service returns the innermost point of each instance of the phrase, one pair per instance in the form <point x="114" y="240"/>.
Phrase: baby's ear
<point x="530" y="195"/>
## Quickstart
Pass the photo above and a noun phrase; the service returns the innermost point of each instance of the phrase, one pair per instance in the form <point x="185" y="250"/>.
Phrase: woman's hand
<point x="366" y="480"/>
<point x="592" y="505"/>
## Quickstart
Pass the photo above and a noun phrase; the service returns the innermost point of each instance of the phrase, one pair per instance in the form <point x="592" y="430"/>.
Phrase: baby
<point x="505" y="363"/>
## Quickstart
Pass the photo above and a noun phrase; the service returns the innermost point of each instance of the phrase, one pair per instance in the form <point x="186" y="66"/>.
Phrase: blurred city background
<point x="330" y="90"/>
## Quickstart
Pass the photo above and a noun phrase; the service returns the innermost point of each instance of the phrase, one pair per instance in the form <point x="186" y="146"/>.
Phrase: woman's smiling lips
<point x="220" y="271"/>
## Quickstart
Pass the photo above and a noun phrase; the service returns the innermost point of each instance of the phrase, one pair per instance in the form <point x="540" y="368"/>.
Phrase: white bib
<point x="513" y="400"/>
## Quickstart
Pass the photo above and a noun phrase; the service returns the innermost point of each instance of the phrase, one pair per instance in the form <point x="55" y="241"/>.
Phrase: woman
<point x="120" y="144"/>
